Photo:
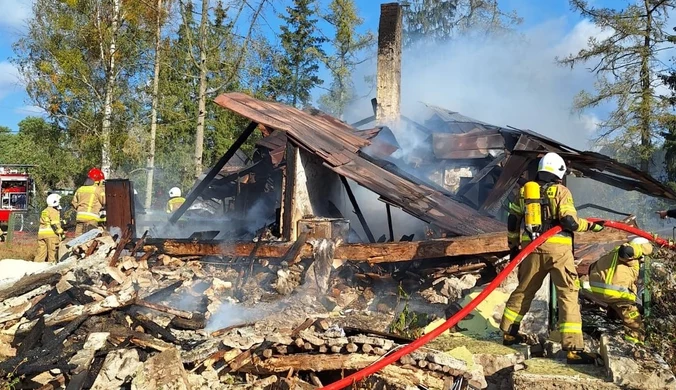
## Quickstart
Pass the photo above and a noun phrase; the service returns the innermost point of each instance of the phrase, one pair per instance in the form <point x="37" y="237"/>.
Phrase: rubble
<point x="632" y="366"/>
<point x="168" y="322"/>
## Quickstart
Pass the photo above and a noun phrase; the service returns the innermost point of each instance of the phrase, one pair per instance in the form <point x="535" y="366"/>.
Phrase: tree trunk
<point x="153" y="113"/>
<point x="201" y="105"/>
<point x="646" y="99"/>
<point x="110" y="86"/>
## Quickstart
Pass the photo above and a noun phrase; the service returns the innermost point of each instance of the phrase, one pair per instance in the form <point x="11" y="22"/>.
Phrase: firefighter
<point x="550" y="201"/>
<point x="50" y="232"/>
<point x="175" y="200"/>
<point x="90" y="202"/>
<point x="612" y="279"/>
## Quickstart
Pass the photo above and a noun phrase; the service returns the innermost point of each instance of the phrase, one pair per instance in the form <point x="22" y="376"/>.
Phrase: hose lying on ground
<point x="414" y="345"/>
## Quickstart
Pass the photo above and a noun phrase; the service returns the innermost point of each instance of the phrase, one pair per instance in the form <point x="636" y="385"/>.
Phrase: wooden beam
<point x="512" y="170"/>
<point x="204" y="184"/>
<point x="357" y="210"/>
<point x="492" y="243"/>
<point x="389" y="222"/>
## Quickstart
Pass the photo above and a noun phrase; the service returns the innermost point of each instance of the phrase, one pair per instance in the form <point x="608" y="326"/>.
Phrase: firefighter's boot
<point x="580" y="357"/>
<point x="513" y="339"/>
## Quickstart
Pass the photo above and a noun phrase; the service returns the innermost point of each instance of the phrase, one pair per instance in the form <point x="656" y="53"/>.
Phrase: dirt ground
<point x="21" y="247"/>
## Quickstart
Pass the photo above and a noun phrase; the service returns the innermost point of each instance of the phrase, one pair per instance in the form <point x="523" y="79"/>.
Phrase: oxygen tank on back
<point x="533" y="203"/>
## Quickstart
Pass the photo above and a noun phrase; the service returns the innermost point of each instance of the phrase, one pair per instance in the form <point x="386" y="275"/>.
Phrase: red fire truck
<point x="16" y="189"/>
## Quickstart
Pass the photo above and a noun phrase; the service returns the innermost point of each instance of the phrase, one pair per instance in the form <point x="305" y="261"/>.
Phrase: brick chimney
<point x="388" y="93"/>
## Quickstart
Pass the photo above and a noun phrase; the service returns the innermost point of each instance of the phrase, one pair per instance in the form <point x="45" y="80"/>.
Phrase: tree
<point x="160" y="16"/>
<point x="627" y="68"/>
<point x="347" y="45"/>
<point x="78" y="60"/>
<point x="437" y="21"/>
<point x="41" y="144"/>
<point x="298" y="66"/>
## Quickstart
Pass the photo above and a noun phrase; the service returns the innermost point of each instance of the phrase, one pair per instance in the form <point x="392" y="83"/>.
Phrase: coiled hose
<point x="457" y="317"/>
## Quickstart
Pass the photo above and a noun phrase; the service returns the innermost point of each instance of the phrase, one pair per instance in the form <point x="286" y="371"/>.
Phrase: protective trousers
<point x="47" y="248"/>
<point x="557" y="261"/>
<point x="84" y="227"/>
<point x="631" y="318"/>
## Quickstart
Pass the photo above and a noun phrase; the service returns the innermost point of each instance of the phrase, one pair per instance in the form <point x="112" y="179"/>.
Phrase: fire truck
<point x="16" y="191"/>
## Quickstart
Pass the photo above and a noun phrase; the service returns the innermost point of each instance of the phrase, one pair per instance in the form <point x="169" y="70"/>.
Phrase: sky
<point x="550" y="23"/>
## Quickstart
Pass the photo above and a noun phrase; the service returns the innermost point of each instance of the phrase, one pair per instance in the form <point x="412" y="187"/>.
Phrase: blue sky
<point x="538" y="16"/>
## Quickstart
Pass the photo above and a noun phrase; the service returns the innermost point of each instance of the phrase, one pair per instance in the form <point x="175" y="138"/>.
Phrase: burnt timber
<point x="483" y="244"/>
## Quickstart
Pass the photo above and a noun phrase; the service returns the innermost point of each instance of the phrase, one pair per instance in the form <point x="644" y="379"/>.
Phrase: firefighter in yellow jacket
<point x="89" y="202"/>
<point x="50" y="232"/>
<point x="175" y="200"/>
<point x="555" y="207"/>
<point x="612" y="279"/>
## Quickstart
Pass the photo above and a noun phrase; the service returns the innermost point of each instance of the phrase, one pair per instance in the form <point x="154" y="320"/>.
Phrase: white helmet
<point x="645" y="245"/>
<point x="53" y="200"/>
<point x="174" y="192"/>
<point x="552" y="163"/>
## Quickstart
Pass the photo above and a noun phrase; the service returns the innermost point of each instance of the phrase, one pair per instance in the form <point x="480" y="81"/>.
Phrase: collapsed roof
<point x="337" y="144"/>
<point x="500" y="156"/>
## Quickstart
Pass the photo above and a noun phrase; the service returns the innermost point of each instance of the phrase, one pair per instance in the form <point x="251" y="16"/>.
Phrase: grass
<point x="21" y="248"/>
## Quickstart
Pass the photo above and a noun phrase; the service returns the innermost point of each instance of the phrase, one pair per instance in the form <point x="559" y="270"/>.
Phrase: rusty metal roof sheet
<point x="338" y="146"/>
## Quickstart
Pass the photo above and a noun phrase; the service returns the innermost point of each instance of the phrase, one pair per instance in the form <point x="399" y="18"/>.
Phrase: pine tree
<point x="348" y="45"/>
<point x="298" y="66"/>
<point x="437" y="21"/>
<point x="627" y="70"/>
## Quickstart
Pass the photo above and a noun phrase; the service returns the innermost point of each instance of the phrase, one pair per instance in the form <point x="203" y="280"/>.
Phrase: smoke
<point x="229" y="314"/>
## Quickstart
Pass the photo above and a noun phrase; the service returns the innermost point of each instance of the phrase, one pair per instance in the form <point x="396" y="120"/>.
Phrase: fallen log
<point x="491" y="243"/>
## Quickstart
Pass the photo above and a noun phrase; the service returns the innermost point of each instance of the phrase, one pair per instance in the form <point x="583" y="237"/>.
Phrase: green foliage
<point x="437" y="21"/>
<point x="408" y="323"/>
<point x="41" y="144"/>
<point x="65" y="59"/>
<point x="297" y="67"/>
<point x="627" y="65"/>
<point x="348" y="45"/>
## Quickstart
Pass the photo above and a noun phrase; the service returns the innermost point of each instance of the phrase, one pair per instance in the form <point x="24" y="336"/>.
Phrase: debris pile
<point x="109" y="317"/>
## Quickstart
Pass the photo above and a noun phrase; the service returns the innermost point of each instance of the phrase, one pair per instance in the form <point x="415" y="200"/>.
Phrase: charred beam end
<point x="204" y="184"/>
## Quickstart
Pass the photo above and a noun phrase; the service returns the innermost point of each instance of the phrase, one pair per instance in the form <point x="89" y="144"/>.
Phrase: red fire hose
<point x="457" y="317"/>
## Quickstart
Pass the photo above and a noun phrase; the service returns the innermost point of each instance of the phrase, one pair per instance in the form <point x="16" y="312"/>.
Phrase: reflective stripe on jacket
<point x="174" y="203"/>
<point x="561" y="205"/>
<point x="614" y="277"/>
<point x="48" y="217"/>
<point x="88" y="202"/>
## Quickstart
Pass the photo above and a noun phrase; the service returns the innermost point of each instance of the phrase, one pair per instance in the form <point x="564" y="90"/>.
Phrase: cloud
<point x="9" y="79"/>
<point x="14" y="13"/>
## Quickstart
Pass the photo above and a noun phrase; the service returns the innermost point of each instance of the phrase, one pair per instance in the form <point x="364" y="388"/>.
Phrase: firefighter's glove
<point x="596" y="227"/>
<point x="513" y="252"/>
<point x="3" y="237"/>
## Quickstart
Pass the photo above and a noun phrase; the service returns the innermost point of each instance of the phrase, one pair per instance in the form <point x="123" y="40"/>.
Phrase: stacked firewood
<point x="111" y="316"/>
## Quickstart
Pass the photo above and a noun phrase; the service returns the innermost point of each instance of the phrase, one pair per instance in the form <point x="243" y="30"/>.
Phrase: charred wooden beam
<point x="357" y="210"/>
<point x="204" y="184"/>
<point x="389" y="222"/>
<point x="29" y="283"/>
<point x="491" y="243"/>
<point x="164" y="309"/>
